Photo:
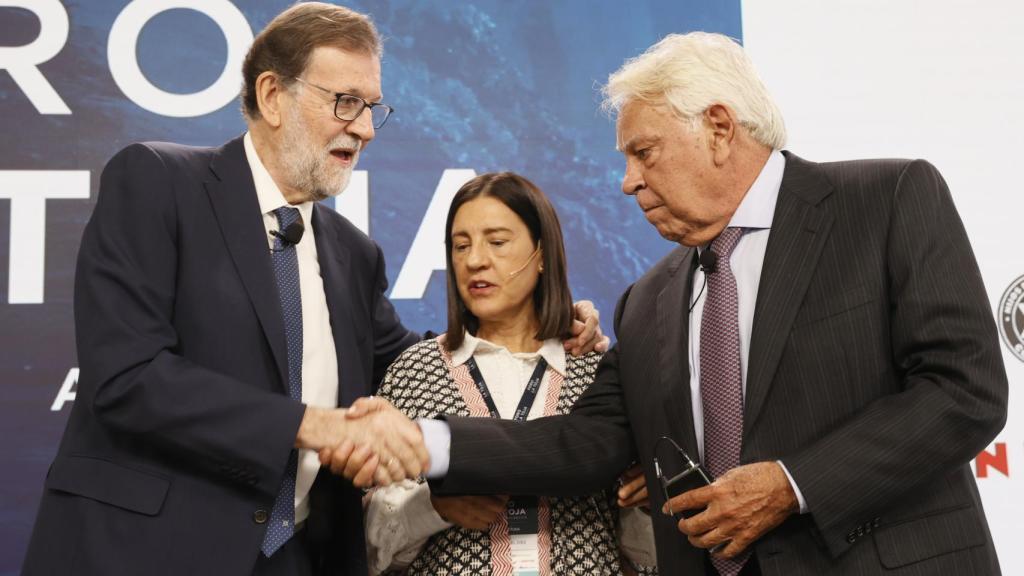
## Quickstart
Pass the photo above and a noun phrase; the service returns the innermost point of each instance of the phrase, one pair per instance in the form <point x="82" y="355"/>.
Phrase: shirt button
<point x="260" y="516"/>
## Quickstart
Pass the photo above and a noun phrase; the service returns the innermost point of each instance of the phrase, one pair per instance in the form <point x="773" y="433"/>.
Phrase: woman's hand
<point x="633" y="489"/>
<point x="473" y="512"/>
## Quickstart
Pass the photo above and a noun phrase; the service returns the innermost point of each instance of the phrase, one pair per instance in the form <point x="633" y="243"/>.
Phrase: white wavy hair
<point x="691" y="72"/>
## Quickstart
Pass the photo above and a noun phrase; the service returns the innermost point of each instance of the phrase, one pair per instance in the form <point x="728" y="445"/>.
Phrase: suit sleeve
<point x="571" y="455"/>
<point x="952" y="400"/>
<point x="390" y="337"/>
<point x="134" y="378"/>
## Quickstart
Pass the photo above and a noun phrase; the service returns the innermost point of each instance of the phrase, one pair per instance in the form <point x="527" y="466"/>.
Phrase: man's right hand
<point x="472" y="512"/>
<point x="382" y="447"/>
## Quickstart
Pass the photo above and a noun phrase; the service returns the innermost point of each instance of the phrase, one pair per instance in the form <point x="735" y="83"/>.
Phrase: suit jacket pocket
<point x="834" y="304"/>
<point x="109" y="483"/>
<point x="929" y="536"/>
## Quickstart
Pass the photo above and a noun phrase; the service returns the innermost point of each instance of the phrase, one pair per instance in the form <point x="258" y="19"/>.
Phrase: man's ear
<point x="269" y="92"/>
<point x="722" y="124"/>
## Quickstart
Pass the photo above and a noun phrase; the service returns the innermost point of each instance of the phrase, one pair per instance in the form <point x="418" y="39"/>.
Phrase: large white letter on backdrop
<point x="28" y="191"/>
<point x="427" y="251"/>
<point x="23" y="61"/>
<point x="124" y="65"/>
<point x="354" y="201"/>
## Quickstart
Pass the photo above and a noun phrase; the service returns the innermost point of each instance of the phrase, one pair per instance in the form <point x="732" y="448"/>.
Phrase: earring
<point x="540" y="268"/>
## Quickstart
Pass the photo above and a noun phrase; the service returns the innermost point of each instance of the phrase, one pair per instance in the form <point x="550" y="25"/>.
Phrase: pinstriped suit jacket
<point x="874" y="375"/>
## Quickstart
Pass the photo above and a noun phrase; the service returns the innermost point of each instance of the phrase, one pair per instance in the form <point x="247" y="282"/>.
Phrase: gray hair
<point x="690" y="73"/>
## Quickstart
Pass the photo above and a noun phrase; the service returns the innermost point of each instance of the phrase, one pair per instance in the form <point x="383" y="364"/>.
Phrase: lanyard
<point x="529" y="395"/>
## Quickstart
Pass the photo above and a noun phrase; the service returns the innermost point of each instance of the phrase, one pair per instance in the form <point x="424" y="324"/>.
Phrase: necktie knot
<point x="726" y="242"/>
<point x="286" y="216"/>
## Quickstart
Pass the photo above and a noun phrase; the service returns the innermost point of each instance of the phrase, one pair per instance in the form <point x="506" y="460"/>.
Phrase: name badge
<point x="521" y="512"/>
<point x="522" y="515"/>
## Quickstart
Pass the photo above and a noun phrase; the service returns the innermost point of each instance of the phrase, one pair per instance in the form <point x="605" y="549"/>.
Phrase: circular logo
<point x="1011" y="317"/>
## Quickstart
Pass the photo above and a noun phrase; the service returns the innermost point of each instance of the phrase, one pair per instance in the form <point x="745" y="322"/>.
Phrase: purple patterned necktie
<point x="721" y="374"/>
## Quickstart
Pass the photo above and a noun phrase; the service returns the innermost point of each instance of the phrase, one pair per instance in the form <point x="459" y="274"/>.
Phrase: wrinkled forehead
<point x="635" y="119"/>
<point x="347" y="71"/>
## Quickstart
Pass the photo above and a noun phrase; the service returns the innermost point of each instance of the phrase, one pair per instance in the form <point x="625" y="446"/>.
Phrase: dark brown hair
<point x="284" y="46"/>
<point x="552" y="298"/>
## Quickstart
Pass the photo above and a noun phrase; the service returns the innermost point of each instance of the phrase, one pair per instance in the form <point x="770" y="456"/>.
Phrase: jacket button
<point x="260" y="516"/>
<point x="851" y="538"/>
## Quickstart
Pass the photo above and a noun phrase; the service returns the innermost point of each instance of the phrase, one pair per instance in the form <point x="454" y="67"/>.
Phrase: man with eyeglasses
<point x="222" y="318"/>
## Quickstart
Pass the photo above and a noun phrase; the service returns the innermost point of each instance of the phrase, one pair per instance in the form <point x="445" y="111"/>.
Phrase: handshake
<point x="370" y="443"/>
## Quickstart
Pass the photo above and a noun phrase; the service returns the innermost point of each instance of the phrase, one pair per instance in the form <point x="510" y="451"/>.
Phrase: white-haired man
<point x="821" y="340"/>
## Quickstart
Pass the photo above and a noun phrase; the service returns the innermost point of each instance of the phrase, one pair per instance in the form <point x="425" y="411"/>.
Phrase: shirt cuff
<point x="399" y="521"/>
<point x="437" y="437"/>
<point x="423" y="520"/>
<point x="796" y="489"/>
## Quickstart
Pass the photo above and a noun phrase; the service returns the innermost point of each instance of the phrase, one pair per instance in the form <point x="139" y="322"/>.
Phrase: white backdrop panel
<point x="938" y="80"/>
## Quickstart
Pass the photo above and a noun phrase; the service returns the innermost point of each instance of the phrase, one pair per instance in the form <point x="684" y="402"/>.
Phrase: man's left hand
<point x="633" y="489"/>
<point x="586" y="329"/>
<point x="741" y="506"/>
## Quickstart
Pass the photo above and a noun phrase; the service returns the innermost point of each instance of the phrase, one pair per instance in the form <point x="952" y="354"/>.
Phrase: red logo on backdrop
<point x="1011" y="317"/>
<point x="995" y="460"/>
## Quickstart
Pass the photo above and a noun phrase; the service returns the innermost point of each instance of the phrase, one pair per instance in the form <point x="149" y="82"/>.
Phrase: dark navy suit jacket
<point x="182" y="426"/>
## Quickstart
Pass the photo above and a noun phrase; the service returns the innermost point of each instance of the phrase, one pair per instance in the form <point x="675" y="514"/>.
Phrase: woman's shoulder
<point x="582" y="366"/>
<point x="419" y="382"/>
<point x="579" y="374"/>
<point x="429" y="350"/>
<point x="421" y="362"/>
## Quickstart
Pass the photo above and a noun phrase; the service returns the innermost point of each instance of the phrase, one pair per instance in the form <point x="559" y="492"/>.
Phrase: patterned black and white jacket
<point x="578" y="535"/>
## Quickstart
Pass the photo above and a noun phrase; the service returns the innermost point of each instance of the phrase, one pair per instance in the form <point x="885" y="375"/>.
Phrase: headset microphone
<point x="525" y="264"/>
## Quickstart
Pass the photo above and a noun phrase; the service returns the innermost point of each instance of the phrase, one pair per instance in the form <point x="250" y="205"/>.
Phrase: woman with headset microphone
<point x="509" y="308"/>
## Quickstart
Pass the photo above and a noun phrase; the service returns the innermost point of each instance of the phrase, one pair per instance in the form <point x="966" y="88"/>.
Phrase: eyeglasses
<point x="677" y="473"/>
<point x="348" y="107"/>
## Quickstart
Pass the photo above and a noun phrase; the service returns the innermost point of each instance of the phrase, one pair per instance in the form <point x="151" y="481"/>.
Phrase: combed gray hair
<point x="690" y="73"/>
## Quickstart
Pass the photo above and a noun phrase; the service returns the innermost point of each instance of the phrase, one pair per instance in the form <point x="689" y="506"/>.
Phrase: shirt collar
<point x="757" y="210"/>
<point x="552" y="351"/>
<point x="267" y="192"/>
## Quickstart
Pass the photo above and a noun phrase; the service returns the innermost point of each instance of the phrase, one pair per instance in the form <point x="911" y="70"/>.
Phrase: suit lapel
<point x="673" y="336"/>
<point x="235" y="205"/>
<point x="335" y="268"/>
<point x="799" y="230"/>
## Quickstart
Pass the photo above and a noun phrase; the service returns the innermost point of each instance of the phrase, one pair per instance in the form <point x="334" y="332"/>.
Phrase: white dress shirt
<point x="319" y="359"/>
<point x="755" y="213"/>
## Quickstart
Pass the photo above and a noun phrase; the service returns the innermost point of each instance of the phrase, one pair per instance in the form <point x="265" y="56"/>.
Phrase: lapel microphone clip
<point x="291" y="235"/>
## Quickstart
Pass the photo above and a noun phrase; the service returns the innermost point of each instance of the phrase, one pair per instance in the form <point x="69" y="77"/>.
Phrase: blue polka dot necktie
<point x="286" y="269"/>
<point x="721" y="375"/>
